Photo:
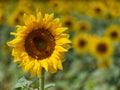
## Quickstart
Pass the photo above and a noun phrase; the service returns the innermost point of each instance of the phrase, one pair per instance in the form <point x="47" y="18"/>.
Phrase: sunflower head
<point x="114" y="9"/>
<point x="17" y="15"/>
<point x="2" y="17"/>
<point x="81" y="7"/>
<point x="39" y="44"/>
<point x="83" y="26"/>
<point x="56" y="5"/>
<point x="113" y="32"/>
<point x="104" y="63"/>
<point x="68" y="21"/>
<point x="97" y="9"/>
<point x="101" y="47"/>
<point x="80" y="43"/>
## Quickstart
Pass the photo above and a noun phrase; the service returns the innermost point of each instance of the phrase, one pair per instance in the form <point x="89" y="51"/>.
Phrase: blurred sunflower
<point x="113" y="9"/>
<point x="105" y="63"/>
<point x="97" y="9"/>
<point x="81" y="7"/>
<point x="101" y="47"/>
<point x="41" y="7"/>
<point x="110" y="16"/>
<point x="81" y="43"/>
<point x="2" y="17"/>
<point x="39" y="44"/>
<point x="83" y="26"/>
<point x="17" y="16"/>
<point x="68" y="21"/>
<point x="67" y="9"/>
<point x="113" y="32"/>
<point x="56" y="5"/>
<point x="26" y="3"/>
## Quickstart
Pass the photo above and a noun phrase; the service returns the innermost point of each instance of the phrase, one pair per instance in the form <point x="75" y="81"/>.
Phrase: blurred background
<point x="92" y="62"/>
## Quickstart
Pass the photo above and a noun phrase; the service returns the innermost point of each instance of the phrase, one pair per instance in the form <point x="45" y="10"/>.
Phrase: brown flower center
<point x="114" y="34"/>
<point x="21" y="13"/>
<point x="68" y="23"/>
<point x="83" y="28"/>
<point x="102" y="48"/>
<point x="82" y="43"/>
<point x="110" y="16"/>
<point x="97" y="10"/>
<point x="17" y="20"/>
<point x="55" y="5"/>
<point x="39" y="44"/>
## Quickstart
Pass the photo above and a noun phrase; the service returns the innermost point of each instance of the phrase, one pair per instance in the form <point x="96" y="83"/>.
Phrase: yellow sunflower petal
<point x="17" y="51"/>
<point x="57" y="31"/>
<point x="28" y="66"/>
<point x="16" y="59"/>
<point x="48" y="17"/>
<point x="34" y="70"/>
<point x="62" y="41"/>
<point x="54" y="62"/>
<point x="32" y="18"/>
<point x="60" y="65"/>
<point x="39" y="17"/>
<point x="61" y="36"/>
<point x="27" y="19"/>
<point x="60" y="49"/>
<point x="60" y="30"/>
<point x="15" y="42"/>
<point x="21" y="29"/>
<point x="44" y="64"/>
<point x="39" y="70"/>
<point x="47" y="20"/>
<point x="57" y="22"/>
<point x="48" y="26"/>
<point x="12" y="33"/>
<point x="50" y="67"/>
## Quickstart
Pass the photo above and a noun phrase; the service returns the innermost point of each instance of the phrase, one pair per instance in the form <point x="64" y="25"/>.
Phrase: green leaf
<point x="49" y="86"/>
<point x="22" y="82"/>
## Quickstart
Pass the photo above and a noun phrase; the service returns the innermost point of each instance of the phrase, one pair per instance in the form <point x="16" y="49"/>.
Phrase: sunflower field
<point x="59" y="45"/>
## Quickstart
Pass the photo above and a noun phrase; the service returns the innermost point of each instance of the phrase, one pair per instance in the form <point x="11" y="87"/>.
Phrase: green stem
<point x="38" y="83"/>
<point x="42" y="79"/>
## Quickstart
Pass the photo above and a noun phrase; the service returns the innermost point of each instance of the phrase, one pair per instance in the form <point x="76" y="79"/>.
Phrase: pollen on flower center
<point x="102" y="48"/>
<point x="39" y="44"/>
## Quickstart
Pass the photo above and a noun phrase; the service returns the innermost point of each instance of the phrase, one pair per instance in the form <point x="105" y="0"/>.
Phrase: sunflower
<point x="56" y="5"/>
<point x="110" y="16"/>
<point x="68" y="21"/>
<point x="101" y="47"/>
<point x="105" y="63"/>
<point x="81" y="7"/>
<point x="2" y="17"/>
<point x="113" y="8"/>
<point x="39" y="44"/>
<point x="26" y="3"/>
<point x="83" y="26"/>
<point x="41" y="7"/>
<point x="113" y="32"/>
<point x="81" y="43"/>
<point x="17" y="15"/>
<point x="69" y="8"/>
<point x="97" y="9"/>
